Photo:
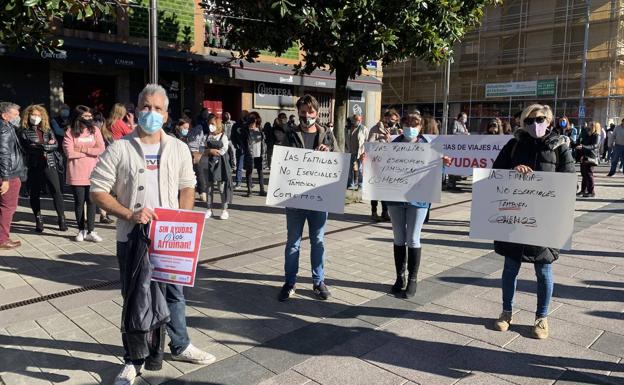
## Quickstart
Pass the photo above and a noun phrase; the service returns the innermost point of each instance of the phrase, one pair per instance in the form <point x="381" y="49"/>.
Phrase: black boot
<point x="39" y="223"/>
<point x="399" y="266"/>
<point x="413" y="263"/>
<point x="62" y="224"/>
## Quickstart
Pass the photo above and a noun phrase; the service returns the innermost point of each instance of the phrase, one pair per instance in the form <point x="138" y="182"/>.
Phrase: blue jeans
<point x="545" y="284"/>
<point x="352" y="182"/>
<point x="407" y="223"/>
<point x="617" y="156"/>
<point x="240" y="159"/>
<point x="295" y="219"/>
<point x="176" y="327"/>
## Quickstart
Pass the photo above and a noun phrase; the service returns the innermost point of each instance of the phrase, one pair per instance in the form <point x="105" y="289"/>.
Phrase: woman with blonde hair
<point x="536" y="146"/>
<point x="116" y="123"/>
<point x="218" y="169"/>
<point x="588" y="156"/>
<point x="43" y="161"/>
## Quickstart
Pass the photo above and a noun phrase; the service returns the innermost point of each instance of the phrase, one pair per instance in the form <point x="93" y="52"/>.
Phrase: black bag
<point x="60" y="162"/>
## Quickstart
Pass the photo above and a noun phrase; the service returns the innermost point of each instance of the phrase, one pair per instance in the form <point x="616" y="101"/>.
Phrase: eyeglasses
<point x="538" y="119"/>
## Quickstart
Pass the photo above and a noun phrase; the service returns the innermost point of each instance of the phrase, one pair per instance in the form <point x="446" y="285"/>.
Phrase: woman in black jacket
<point x="588" y="150"/>
<point x="252" y="142"/>
<point x="535" y="147"/>
<point x="43" y="161"/>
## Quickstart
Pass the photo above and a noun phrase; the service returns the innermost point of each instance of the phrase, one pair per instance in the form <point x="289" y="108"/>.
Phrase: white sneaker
<point x="203" y="197"/>
<point x="194" y="356"/>
<point x="93" y="237"/>
<point x="208" y="214"/>
<point x="225" y="215"/>
<point x="127" y="375"/>
<point x="81" y="235"/>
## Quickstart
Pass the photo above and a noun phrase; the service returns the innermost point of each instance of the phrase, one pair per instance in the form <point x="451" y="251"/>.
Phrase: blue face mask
<point x="184" y="132"/>
<point x="410" y="132"/>
<point x="563" y="123"/>
<point x="150" y="122"/>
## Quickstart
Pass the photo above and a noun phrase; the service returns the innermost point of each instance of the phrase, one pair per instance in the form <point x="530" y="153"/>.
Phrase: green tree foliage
<point x="28" y="23"/>
<point x="342" y="35"/>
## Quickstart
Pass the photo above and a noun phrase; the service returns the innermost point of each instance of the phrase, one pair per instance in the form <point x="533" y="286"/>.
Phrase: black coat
<point x="39" y="155"/>
<point x="11" y="159"/>
<point x="551" y="154"/>
<point x="590" y="145"/>
<point x="294" y="138"/>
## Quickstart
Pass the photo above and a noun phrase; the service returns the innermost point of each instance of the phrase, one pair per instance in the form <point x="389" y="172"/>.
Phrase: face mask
<point x="463" y="119"/>
<point x="212" y="128"/>
<point x="64" y="113"/>
<point x="307" y="122"/>
<point x="15" y="121"/>
<point x="411" y="132"/>
<point x="86" y="122"/>
<point x="150" y="122"/>
<point x="563" y="123"/>
<point x="35" y="120"/>
<point x="537" y="130"/>
<point x="184" y="132"/>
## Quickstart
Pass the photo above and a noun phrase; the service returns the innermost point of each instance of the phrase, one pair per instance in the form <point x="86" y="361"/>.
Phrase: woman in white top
<point x="218" y="170"/>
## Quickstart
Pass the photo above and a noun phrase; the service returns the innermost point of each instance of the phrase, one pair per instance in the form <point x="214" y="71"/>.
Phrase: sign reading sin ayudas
<point x="307" y="179"/>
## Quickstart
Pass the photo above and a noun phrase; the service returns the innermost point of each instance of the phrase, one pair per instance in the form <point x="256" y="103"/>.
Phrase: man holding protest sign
<point x="312" y="136"/>
<point x="145" y="170"/>
<point x="536" y="147"/>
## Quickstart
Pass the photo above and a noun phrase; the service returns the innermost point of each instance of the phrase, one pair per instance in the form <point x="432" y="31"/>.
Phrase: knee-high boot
<point x="399" y="265"/>
<point x="413" y="263"/>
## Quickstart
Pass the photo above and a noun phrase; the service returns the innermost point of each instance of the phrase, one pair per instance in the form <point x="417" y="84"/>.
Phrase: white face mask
<point x="212" y="128"/>
<point x="35" y="120"/>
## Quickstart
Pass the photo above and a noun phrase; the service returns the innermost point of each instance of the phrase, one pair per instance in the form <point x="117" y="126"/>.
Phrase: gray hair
<point x="153" y="89"/>
<point x="543" y="108"/>
<point x="8" y="106"/>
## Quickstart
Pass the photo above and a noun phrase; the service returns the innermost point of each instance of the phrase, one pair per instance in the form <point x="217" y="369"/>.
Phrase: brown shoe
<point x="8" y="245"/>
<point x="540" y="330"/>
<point x="503" y="322"/>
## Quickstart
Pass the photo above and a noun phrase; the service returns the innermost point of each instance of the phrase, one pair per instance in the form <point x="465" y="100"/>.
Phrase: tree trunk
<point x="340" y="107"/>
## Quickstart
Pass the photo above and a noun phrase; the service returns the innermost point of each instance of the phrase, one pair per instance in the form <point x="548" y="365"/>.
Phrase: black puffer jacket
<point x="39" y="155"/>
<point x="11" y="159"/>
<point x="551" y="154"/>
<point x="590" y="144"/>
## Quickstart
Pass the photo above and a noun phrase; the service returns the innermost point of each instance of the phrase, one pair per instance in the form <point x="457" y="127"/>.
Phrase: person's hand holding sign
<point x="143" y="216"/>
<point x="522" y="169"/>
<point x="322" y="147"/>
<point x="446" y="160"/>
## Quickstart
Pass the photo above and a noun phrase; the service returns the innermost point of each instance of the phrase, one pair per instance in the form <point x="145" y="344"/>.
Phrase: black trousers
<point x="587" y="181"/>
<point x="257" y="162"/>
<point x="37" y="177"/>
<point x="384" y="207"/>
<point x="81" y="196"/>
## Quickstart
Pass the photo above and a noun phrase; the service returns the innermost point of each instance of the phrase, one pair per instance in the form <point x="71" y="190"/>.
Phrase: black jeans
<point x="384" y="207"/>
<point x="50" y="177"/>
<point x="587" y="172"/>
<point x="257" y="162"/>
<point x="81" y="195"/>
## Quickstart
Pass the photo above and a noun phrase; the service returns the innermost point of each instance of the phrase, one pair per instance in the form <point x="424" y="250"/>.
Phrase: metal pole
<point x="470" y="103"/>
<point x="584" y="66"/>
<point x="556" y="91"/>
<point x="153" y="42"/>
<point x="445" y="110"/>
<point x="435" y="97"/>
<point x="608" y="99"/>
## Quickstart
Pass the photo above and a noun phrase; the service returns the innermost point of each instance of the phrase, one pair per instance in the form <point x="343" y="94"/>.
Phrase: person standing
<point x="618" y="148"/>
<point x="218" y="171"/>
<point x="536" y="147"/>
<point x="311" y="136"/>
<point x="237" y="141"/>
<point x="459" y="126"/>
<point x="43" y="161"/>
<point x="12" y="171"/>
<point x="355" y="145"/>
<point x="252" y="142"/>
<point x="83" y="144"/>
<point x="117" y="121"/>
<point x="145" y="170"/>
<point x="197" y="143"/>
<point x="588" y="150"/>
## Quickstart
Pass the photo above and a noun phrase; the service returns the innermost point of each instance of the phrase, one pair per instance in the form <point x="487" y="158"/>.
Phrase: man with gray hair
<point x="145" y="170"/>
<point x="12" y="170"/>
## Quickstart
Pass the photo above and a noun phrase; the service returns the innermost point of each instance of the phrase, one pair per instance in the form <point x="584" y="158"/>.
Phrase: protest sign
<point x="307" y="179"/>
<point x="470" y="151"/>
<point x="402" y="172"/>
<point x="176" y="240"/>
<point x="534" y="209"/>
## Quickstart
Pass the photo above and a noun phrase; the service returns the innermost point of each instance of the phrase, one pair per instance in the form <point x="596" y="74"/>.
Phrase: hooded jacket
<point x="550" y="154"/>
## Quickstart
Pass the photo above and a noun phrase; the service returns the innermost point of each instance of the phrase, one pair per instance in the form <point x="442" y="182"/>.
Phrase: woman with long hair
<point x="83" y="144"/>
<point x="116" y="123"/>
<point x="43" y="161"/>
<point x="218" y="170"/>
<point x="588" y="156"/>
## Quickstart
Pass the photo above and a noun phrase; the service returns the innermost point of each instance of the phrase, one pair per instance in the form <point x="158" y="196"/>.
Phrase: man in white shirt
<point x="145" y="170"/>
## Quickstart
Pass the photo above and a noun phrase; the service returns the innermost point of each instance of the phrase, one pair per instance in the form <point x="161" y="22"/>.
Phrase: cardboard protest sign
<point x="307" y="179"/>
<point x="402" y="172"/>
<point x="468" y="152"/>
<point x="534" y="209"/>
<point x="174" y="250"/>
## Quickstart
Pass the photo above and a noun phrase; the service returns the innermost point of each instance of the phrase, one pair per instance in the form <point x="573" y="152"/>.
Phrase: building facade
<point x="525" y="51"/>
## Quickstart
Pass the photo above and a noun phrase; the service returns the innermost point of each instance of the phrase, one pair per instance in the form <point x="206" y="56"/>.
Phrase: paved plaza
<point x="362" y="335"/>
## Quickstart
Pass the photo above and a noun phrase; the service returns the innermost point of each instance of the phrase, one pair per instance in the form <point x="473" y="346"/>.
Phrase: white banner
<point x="470" y="151"/>
<point x="402" y="172"/>
<point x="306" y="179"/>
<point x="534" y="209"/>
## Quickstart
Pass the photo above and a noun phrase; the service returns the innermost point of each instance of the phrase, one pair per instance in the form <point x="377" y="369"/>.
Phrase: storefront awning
<point x="283" y="74"/>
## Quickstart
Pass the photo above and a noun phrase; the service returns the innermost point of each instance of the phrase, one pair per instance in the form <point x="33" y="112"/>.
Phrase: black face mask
<point x="87" y="122"/>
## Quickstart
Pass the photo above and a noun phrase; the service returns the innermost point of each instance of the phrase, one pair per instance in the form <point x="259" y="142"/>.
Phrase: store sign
<point x="530" y="88"/>
<point x="270" y="95"/>
<point x="546" y="87"/>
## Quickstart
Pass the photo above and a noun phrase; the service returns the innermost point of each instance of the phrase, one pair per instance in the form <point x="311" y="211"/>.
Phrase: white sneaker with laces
<point x="203" y="197"/>
<point x="93" y="237"/>
<point x="225" y="215"/>
<point x="127" y="375"/>
<point x="81" y="235"/>
<point x="194" y="356"/>
<point x="208" y="214"/>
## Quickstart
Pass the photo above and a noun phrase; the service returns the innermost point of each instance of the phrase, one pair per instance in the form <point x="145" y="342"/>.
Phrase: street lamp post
<point x="153" y="42"/>
<point x="582" y="108"/>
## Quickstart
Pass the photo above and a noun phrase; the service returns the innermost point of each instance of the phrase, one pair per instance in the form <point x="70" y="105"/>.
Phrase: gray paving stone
<point x="236" y="370"/>
<point x="329" y="370"/>
<point x="571" y="377"/>
<point x="477" y="378"/>
<point x="287" y="378"/>
<point x="608" y="321"/>
<point x="610" y="343"/>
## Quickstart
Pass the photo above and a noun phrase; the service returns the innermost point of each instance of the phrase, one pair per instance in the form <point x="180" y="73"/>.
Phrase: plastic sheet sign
<point x="402" y="172"/>
<point x="533" y="209"/>
<point x="468" y="152"/>
<point x="176" y="240"/>
<point x="307" y="179"/>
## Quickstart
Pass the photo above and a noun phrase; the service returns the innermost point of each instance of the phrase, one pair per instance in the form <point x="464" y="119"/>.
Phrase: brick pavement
<point x="360" y="336"/>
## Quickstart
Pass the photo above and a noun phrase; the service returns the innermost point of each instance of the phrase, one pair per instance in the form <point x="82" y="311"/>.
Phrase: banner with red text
<point x="176" y="240"/>
<point x="468" y="152"/>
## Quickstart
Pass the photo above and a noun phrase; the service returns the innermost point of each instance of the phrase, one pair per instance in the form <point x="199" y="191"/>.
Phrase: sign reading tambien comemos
<point x="307" y="179"/>
<point x="533" y="209"/>
<point x="468" y="152"/>
<point x="402" y="172"/>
